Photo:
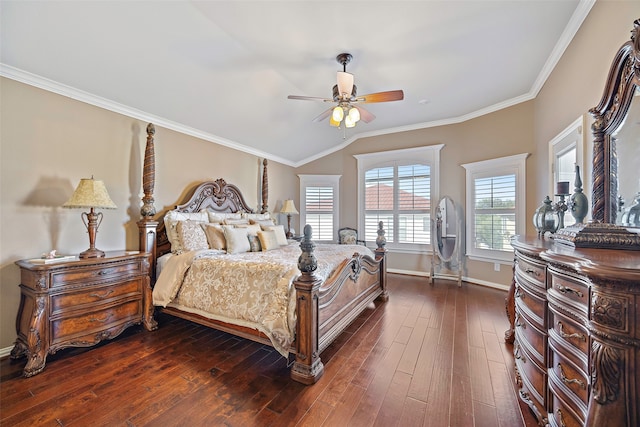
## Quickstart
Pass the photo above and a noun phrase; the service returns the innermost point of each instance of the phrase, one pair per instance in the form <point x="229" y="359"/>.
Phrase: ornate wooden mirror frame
<point x="622" y="82"/>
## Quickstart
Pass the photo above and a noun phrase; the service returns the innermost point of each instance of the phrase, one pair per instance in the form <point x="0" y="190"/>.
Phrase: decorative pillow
<point x="268" y="240"/>
<point x="237" y="240"/>
<point x="191" y="235"/>
<point x="265" y="222"/>
<point x="171" y="219"/>
<point x="254" y="242"/>
<point x="280" y="234"/>
<point x="215" y="236"/>
<point x="219" y="217"/>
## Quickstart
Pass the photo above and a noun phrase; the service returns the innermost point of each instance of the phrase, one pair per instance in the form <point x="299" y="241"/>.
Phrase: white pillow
<point x="257" y="216"/>
<point x="280" y="234"/>
<point x="268" y="240"/>
<point x="252" y="229"/>
<point x="219" y="217"/>
<point x="171" y="219"/>
<point x="237" y="240"/>
<point x="265" y="222"/>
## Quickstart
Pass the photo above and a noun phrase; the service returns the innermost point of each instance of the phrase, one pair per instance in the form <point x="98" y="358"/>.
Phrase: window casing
<point x="396" y="187"/>
<point x="319" y="196"/>
<point x="495" y="207"/>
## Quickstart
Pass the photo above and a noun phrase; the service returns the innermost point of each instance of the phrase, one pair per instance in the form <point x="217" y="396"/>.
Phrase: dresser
<point x="576" y="324"/>
<point x="79" y="303"/>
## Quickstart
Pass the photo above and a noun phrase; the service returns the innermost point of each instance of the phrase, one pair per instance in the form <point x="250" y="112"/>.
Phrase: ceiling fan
<point x="347" y="99"/>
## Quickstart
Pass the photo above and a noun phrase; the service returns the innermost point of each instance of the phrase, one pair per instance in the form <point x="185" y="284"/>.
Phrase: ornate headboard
<point x="217" y="196"/>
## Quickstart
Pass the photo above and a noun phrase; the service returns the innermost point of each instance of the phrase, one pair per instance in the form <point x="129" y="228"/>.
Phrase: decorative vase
<point x="579" y="203"/>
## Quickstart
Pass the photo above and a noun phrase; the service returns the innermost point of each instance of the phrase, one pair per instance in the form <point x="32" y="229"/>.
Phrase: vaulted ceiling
<point x="222" y="70"/>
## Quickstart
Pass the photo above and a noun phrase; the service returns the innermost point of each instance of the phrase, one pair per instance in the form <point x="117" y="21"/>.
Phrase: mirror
<point x="627" y="142"/>
<point x="446" y="229"/>
<point x="616" y="139"/>
<point x="447" y="226"/>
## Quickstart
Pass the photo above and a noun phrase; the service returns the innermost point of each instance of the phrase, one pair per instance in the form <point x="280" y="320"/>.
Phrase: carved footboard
<point x="324" y="310"/>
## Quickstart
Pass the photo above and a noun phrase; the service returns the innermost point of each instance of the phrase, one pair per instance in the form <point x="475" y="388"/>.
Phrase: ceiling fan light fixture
<point x="354" y="114"/>
<point x="338" y="114"/>
<point x="349" y="122"/>
<point x="345" y="84"/>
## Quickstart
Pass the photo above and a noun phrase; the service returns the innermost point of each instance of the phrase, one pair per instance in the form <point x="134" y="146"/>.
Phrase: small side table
<point x="79" y="303"/>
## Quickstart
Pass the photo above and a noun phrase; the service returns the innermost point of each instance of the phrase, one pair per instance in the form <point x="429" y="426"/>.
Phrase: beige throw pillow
<point x="192" y="236"/>
<point x="280" y="234"/>
<point x="237" y="240"/>
<point x="215" y="236"/>
<point x="268" y="240"/>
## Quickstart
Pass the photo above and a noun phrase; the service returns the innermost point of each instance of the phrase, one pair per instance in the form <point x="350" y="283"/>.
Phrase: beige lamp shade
<point x="288" y="207"/>
<point x="90" y="193"/>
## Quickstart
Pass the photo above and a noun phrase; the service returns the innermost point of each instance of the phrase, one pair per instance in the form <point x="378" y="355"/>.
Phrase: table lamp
<point x="91" y="194"/>
<point x="288" y="208"/>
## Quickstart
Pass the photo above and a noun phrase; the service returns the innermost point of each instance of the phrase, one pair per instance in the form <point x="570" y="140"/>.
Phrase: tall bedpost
<point x="381" y="255"/>
<point x="307" y="368"/>
<point x="265" y="188"/>
<point x="147" y="227"/>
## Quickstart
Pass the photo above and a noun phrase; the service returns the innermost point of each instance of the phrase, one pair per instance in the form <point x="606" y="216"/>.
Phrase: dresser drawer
<point x="95" y="274"/>
<point x="571" y="375"/>
<point x="534" y="339"/>
<point x="569" y="291"/>
<point x="95" y="295"/>
<point x="568" y="333"/>
<point x="533" y="306"/>
<point x="562" y="412"/>
<point x="66" y="328"/>
<point x="532" y="375"/>
<point x="531" y="270"/>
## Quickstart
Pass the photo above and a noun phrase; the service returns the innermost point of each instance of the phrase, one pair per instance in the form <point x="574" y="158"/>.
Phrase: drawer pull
<point x="581" y="337"/>
<point x="102" y="295"/>
<point x="532" y="271"/>
<point x="562" y="423"/>
<point x="102" y="272"/>
<point x="518" y="355"/>
<point x="566" y="289"/>
<point x="519" y="293"/>
<point x="102" y="320"/>
<point x="520" y="324"/>
<point x="566" y="380"/>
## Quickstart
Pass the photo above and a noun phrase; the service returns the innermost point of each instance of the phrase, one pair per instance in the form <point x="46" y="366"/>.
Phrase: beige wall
<point x="49" y="142"/>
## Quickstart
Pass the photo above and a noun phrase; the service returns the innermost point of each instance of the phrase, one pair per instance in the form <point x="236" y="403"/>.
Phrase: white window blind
<point x="319" y="208"/>
<point x="495" y="212"/>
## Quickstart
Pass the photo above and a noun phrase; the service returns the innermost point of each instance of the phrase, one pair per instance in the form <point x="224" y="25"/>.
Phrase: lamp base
<point x="91" y="253"/>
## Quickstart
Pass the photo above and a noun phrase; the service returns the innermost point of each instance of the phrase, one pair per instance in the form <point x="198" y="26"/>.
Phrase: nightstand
<point x="79" y="303"/>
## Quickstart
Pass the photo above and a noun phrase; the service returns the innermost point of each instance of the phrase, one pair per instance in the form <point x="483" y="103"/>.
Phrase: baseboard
<point x="493" y="285"/>
<point x="4" y="352"/>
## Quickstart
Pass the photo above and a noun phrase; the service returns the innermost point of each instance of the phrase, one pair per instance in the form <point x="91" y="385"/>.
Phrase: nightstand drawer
<point x="88" y="323"/>
<point x="95" y="295"/>
<point x="92" y="275"/>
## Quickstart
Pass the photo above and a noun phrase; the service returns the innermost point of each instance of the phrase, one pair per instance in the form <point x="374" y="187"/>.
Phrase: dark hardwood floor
<point x="432" y="356"/>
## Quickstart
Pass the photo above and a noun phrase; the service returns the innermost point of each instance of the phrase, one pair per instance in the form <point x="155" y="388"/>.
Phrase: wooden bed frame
<point x="323" y="309"/>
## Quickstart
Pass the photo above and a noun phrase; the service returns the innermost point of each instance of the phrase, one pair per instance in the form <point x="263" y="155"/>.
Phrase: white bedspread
<point x="252" y="289"/>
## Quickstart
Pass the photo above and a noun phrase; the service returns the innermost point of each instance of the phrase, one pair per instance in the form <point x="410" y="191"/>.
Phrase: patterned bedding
<point x="251" y="289"/>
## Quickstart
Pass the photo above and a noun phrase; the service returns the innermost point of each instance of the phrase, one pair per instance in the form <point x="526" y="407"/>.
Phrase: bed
<point x="320" y="297"/>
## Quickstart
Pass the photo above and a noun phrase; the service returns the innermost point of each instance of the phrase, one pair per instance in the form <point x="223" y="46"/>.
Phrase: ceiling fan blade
<point x="323" y="115"/>
<point x="345" y="84"/>
<point x="309" y="98"/>
<point x="391" y="95"/>
<point x="365" y="115"/>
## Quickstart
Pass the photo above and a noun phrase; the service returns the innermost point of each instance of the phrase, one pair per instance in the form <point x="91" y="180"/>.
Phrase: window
<point x="319" y="197"/>
<point x="565" y="151"/>
<point x="396" y="187"/>
<point x="495" y="207"/>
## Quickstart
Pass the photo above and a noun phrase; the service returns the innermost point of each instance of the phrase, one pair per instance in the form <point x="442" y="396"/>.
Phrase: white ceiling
<point x="222" y="70"/>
